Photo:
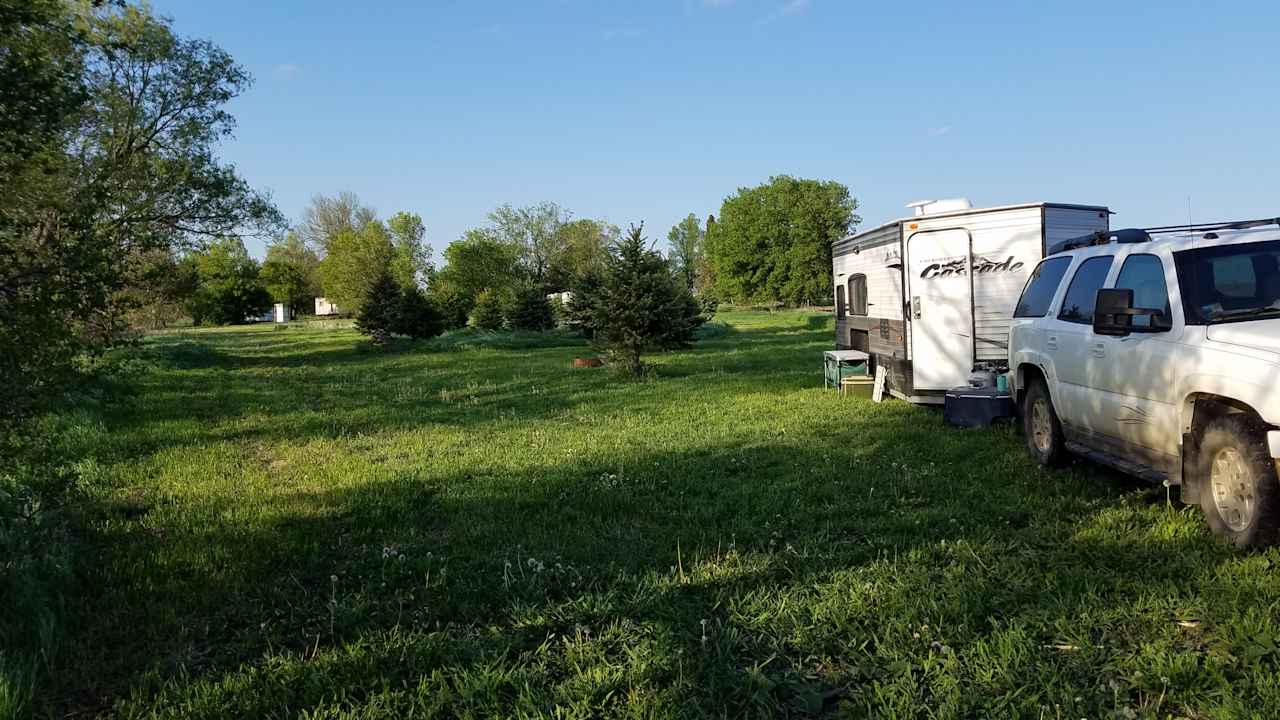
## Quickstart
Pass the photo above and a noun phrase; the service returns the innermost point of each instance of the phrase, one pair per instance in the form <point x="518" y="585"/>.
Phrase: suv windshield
<point x="1230" y="283"/>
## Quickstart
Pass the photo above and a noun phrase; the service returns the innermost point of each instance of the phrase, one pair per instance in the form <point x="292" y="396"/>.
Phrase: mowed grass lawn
<point x="295" y="527"/>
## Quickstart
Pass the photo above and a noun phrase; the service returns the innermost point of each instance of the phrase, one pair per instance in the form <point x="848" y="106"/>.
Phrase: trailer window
<point x="840" y="301"/>
<point x="1082" y="293"/>
<point x="1041" y="287"/>
<point x="858" y="295"/>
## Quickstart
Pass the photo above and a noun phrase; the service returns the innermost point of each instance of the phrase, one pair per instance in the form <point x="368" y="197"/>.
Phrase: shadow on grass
<point x="862" y="559"/>
<point x="582" y="581"/>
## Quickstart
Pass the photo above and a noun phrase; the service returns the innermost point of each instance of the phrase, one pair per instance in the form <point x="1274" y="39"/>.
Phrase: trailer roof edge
<point x="971" y="211"/>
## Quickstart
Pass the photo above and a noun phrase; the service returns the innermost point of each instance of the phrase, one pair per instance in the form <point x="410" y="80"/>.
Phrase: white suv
<point x="1161" y="357"/>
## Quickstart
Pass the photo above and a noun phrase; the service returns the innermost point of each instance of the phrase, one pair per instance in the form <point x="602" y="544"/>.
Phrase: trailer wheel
<point x="1239" y="493"/>
<point x="1041" y="427"/>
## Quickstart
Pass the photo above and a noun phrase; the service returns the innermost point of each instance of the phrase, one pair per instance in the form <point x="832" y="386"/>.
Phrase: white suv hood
<point x="1258" y="334"/>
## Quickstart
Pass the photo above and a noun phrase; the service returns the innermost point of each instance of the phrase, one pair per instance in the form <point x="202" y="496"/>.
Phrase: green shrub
<point x="477" y="339"/>
<point x="709" y="303"/>
<point x="711" y="330"/>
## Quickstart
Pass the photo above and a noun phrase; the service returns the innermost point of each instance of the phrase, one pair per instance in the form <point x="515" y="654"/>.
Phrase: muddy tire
<point x="1041" y="428"/>
<point x="1239" y="493"/>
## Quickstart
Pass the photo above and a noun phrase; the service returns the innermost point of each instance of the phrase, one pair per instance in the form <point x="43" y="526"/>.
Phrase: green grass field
<point x="294" y="527"/>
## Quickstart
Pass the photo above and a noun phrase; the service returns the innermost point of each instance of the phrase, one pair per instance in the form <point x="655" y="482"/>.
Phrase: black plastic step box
<point x="976" y="407"/>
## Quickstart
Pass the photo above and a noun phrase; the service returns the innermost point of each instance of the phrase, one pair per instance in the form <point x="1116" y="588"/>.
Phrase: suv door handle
<point x="1052" y="342"/>
<point x="1099" y="350"/>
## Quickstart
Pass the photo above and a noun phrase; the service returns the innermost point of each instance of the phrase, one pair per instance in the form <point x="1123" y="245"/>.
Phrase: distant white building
<point x="324" y="307"/>
<point x="282" y="313"/>
<point x="563" y="297"/>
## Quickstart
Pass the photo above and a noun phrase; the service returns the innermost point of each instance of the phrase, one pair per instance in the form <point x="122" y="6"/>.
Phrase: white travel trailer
<point x="929" y="296"/>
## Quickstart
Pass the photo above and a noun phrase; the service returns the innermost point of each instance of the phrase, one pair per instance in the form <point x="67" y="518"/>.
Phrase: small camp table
<point x="840" y="364"/>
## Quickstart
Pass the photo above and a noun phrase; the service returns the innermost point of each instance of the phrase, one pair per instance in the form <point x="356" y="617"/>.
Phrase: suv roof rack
<point x="1210" y="227"/>
<point x="1140" y="235"/>
<point x="1104" y="237"/>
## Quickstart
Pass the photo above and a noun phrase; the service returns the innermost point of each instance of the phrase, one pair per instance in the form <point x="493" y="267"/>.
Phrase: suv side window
<point x="1082" y="293"/>
<point x="1041" y="287"/>
<point x="1144" y="274"/>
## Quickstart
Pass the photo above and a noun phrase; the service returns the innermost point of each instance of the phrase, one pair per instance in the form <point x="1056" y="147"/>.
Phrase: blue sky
<point x="630" y="111"/>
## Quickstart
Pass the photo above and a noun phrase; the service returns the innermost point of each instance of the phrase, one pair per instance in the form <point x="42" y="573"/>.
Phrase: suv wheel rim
<point x="1232" y="488"/>
<point x="1041" y="429"/>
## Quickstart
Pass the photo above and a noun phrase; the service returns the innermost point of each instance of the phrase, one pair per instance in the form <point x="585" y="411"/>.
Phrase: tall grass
<point x="47" y="476"/>
<point x="281" y="523"/>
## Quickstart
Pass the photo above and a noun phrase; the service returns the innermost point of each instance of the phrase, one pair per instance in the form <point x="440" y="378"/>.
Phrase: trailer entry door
<point x="939" y="264"/>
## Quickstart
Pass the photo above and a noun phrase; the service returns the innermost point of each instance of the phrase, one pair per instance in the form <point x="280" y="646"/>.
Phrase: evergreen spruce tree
<point x="379" y="314"/>
<point x="418" y="317"/>
<point x="579" y="312"/>
<point x="487" y="313"/>
<point x="640" y="306"/>
<point x="530" y="309"/>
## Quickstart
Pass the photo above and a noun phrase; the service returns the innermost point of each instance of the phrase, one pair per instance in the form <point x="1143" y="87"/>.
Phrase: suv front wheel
<point x="1041" y="427"/>
<point x="1238" y="488"/>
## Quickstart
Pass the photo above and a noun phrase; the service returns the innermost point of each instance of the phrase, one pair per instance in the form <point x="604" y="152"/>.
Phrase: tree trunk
<point x="637" y="367"/>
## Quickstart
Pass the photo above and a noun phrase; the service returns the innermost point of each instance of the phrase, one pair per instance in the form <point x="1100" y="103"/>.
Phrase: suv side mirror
<point x="1113" y="314"/>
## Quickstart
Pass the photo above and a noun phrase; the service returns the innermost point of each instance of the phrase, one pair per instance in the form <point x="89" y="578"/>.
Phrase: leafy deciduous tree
<point x="108" y="126"/>
<point x="411" y="256"/>
<point x="773" y="242"/>
<point x="685" y="239"/>
<point x="535" y="230"/>
<point x="290" y="272"/>
<point x="479" y="260"/>
<point x="228" y="290"/>
<point x="583" y="248"/>
<point x="354" y="262"/>
<point x="157" y="289"/>
<point x="327" y="217"/>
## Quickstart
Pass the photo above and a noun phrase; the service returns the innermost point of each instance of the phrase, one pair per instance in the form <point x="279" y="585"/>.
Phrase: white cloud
<point x="286" y="71"/>
<point x="795" y="7"/>
<point x="791" y="8"/>
<point x="939" y="131"/>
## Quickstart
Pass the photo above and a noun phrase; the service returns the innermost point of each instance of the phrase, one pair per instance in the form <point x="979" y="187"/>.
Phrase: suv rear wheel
<point x="1239" y="493"/>
<point x="1041" y="427"/>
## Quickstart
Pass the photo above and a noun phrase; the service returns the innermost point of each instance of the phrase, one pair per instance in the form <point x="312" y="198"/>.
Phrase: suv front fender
<point x="1236" y="393"/>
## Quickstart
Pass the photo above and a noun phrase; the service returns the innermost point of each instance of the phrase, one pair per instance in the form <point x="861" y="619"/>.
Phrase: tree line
<point x="116" y="214"/>
<point x="771" y="244"/>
